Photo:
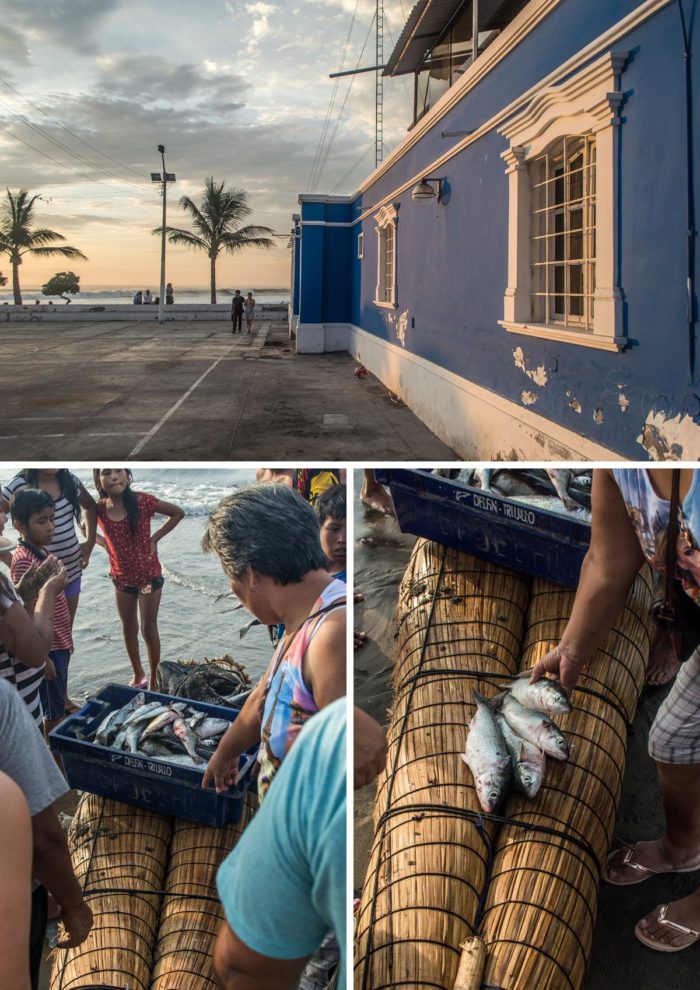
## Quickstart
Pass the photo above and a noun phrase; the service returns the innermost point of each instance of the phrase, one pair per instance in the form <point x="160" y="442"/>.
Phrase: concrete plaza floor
<point x="192" y="391"/>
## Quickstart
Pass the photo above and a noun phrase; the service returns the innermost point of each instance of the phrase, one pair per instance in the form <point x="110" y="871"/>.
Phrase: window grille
<point x="388" y="249"/>
<point x="562" y="234"/>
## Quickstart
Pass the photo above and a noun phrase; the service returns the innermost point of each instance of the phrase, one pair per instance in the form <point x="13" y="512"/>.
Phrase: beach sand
<point x="381" y="556"/>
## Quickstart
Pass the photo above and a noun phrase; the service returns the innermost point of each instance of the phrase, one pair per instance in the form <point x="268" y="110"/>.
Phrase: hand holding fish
<point x="561" y="663"/>
<point x="77" y="923"/>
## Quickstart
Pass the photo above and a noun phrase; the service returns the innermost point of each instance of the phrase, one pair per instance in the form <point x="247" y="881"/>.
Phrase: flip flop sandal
<point x="644" y="871"/>
<point x="140" y="685"/>
<point x="663" y="920"/>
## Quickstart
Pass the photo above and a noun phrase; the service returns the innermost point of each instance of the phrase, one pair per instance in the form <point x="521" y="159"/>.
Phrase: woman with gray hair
<point x="267" y="538"/>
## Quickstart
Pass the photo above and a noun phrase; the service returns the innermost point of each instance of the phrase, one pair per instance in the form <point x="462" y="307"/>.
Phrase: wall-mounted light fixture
<point x="424" y="193"/>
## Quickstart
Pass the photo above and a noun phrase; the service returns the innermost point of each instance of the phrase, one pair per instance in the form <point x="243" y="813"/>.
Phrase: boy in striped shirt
<point x="32" y="512"/>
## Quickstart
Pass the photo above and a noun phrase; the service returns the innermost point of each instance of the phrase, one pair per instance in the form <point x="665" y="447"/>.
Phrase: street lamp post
<point x="164" y="179"/>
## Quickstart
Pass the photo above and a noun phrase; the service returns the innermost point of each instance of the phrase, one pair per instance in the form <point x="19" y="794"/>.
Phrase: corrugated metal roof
<point x="428" y="20"/>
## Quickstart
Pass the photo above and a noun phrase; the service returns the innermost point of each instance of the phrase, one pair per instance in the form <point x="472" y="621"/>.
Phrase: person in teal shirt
<point x="284" y="885"/>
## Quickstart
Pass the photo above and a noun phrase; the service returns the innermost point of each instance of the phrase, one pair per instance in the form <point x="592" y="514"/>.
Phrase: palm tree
<point x="17" y="237"/>
<point x="217" y="225"/>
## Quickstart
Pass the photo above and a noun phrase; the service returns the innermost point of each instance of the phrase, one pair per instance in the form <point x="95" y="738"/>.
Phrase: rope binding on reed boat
<point x="392" y="774"/>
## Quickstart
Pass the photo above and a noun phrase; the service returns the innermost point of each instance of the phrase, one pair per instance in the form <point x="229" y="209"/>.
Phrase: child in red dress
<point x="125" y="519"/>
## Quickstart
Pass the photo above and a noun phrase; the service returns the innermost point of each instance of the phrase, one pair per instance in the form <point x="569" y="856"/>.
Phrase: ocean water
<point x="193" y="620"/>
<point x="124" y="296"/>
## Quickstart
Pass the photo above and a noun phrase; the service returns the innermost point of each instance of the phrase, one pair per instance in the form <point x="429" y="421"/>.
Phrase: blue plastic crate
<point x="147" y="782"/>
<point x="502" y="530"/>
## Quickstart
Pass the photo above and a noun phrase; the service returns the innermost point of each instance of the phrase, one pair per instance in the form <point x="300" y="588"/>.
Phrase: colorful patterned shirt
<point x="289" y="703"/>
<point x="649" y="516"/>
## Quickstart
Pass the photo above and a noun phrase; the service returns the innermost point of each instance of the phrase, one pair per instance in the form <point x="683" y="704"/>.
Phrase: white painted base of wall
<point x="317" y="338"/>
<point x="48" y="313"/>
<point x="476" y="423"/>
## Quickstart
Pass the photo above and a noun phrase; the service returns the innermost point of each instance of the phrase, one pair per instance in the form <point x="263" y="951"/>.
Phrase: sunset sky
<point x="233" y="89"/>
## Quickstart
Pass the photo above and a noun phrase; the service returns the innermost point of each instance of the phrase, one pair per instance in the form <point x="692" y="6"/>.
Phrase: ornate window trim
<point x="385" y="294"/>
<point x="586" y="103"/>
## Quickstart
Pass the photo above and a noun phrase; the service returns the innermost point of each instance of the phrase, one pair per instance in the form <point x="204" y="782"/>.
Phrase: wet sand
<point x="617" y="959"/>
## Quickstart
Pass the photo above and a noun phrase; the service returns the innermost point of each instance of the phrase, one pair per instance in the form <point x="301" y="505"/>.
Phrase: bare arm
<point x="15" y="883"/>
<point x="609" y="568"/>
<point x="88" y="503"/>
<point x="222" y="769"/>
<point x="175" y="515"/>
<point x="324" y="663"/>
<point x="53" y="869"/>
<point x="240" y="968"/>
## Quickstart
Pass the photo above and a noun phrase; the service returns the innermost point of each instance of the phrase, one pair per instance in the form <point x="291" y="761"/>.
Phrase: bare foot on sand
<point x="359" y="639"/>
<point x="672" y="927"/>
<point x="664" y="657"/>
<point x="375" y="496"/>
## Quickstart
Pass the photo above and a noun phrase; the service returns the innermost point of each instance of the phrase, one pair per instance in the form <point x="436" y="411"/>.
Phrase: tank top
<point x="289" y="703"/>
<point x="649" y="516"/>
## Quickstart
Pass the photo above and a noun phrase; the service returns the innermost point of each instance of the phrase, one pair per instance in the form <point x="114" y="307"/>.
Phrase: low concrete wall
<point x="76" y="312"/>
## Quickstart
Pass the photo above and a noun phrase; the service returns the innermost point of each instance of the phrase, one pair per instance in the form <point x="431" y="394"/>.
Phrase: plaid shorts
<point x="675" y="735"/>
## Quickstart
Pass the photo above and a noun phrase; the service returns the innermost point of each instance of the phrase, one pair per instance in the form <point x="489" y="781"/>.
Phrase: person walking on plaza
<point x="237" y="311"/>
<point x="249" y="306"/>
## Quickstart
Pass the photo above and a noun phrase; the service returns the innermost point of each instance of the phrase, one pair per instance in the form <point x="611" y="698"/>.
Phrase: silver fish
<point x="161" y="719"/>
<point x="528" y="760"/>
<point x="188" y="738"/>
<point x="142" y="712"/>
<point x="209" y="727"/>
<point x="486" y="755"/>
<point x="545" y="695"/>
<point x="534" y="726"/>
<point x="133" y="735"/>
<point x="112" y="723"/>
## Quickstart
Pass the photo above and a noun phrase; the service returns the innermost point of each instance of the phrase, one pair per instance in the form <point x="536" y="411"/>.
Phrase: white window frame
<point x="588" y="103"/>
<point x="361" y="245"/>
<point x="387" y="227"/>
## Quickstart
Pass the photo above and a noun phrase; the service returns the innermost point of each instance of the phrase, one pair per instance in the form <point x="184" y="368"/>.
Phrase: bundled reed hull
<point x="542" y="897"/>
<point x="117" y="847"/>
<point x="192" y="914"/>
<point x="428" y="862"/>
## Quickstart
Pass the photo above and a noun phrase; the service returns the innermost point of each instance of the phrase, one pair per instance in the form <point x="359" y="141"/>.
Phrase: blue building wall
<point x="326" y="253"/>
<point x="452" y="257"/>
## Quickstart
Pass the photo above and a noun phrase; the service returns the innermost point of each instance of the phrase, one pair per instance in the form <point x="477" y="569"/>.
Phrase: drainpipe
<point x="475" y="29"/>
<point x="691" y="232"/>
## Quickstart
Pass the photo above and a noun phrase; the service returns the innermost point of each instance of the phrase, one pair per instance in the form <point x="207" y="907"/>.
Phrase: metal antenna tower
<point x="379" y="87"/>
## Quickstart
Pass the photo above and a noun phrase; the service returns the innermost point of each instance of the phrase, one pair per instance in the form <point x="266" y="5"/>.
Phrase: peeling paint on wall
<point x="666" y="439"/>
<point x="623" y="402"/>
<point x="528" y="398"/>
<point x="598" y="417"/>
<point x="538" y="376"/>
<point x="401" y="328"/>
<point x="576" y="405"/>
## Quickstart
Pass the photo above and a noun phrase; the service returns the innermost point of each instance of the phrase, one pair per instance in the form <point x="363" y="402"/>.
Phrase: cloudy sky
<point x="234" y="89"/>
